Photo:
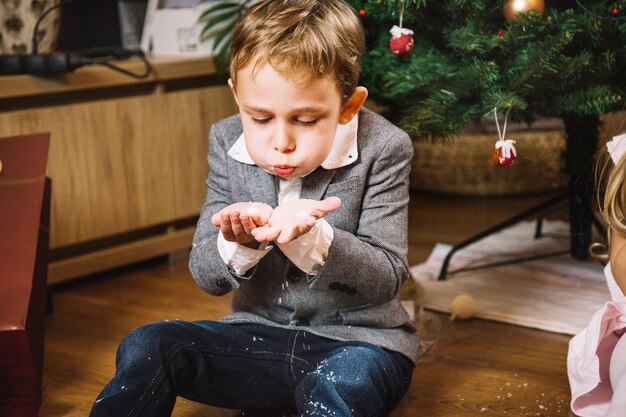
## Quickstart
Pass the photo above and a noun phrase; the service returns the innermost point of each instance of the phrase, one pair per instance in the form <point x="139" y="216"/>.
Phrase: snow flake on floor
<point x="512" y="393"/>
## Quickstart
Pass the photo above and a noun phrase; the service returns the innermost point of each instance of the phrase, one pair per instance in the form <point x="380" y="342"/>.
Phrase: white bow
<point x="507" y="146"/>
<point x="617" y="147"/>
<point x="397" y="31"/>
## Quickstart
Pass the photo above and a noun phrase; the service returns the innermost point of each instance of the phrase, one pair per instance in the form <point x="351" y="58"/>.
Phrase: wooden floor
<point x="481" y="368"/>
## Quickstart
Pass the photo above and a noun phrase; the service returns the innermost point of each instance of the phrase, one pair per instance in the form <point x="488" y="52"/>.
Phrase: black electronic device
<point x="55" y="63"/>
<point x="65" y="62"/>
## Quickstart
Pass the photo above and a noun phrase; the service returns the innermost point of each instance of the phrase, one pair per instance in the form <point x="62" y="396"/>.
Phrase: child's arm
<point x="206" y="264"/>
<point x="617" y="255"/>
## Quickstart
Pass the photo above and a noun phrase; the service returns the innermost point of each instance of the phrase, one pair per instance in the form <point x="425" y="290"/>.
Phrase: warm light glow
<point x="519" y="5"/>
<point x="512" y="8"/>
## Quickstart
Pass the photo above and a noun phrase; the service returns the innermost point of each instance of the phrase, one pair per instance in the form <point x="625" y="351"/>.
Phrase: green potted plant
<point x="219" y="20"/>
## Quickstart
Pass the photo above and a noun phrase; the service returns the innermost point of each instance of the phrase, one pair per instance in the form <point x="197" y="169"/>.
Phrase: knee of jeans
<point x="363" y="377"/>
<point x="145" y="341"/>
<point x="361" y="361"/>
<point x="348" y="378"/>
<point x="352" y="366"/>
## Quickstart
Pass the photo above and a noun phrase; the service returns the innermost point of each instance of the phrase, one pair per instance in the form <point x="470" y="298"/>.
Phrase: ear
<point x="353" y="105"/>
<point x="233" y="89"/>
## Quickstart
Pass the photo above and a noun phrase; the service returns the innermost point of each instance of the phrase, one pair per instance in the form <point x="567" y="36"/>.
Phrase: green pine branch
<point x="469" y="60"/>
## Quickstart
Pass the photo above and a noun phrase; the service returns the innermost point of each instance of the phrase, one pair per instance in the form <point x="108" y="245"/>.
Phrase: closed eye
<point x="306" y="122"/>
<point x="261" y="121"/>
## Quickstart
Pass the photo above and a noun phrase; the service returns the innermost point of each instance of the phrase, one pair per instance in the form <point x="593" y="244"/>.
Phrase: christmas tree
<point x="467" y="58"/>
<point x="560" y="59"/>
<point x="527" y="59"/>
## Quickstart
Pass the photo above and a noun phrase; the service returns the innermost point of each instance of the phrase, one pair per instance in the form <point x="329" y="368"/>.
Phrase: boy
<point x="306" y="218"/>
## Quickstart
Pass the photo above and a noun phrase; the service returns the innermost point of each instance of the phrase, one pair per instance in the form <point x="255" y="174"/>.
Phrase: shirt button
<point x="294" y="274"/>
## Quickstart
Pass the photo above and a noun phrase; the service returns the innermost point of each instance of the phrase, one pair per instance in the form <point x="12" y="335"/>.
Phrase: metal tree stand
<point x="582" y="141"/>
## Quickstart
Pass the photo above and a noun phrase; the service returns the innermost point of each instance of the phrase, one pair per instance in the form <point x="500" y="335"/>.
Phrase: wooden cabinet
<point x="127" y="157"/>
<point x="187" y="111"/>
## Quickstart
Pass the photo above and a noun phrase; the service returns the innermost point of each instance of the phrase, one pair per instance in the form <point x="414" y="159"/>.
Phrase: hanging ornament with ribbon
<point x="504" y="152"/>
<point x="401" y="42"/>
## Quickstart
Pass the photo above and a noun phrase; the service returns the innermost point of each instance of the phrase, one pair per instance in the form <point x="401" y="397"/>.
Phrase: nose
<point x="283" y="140"/>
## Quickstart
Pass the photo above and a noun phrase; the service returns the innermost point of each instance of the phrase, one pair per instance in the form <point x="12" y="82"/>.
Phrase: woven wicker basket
<point x="463" y="165"/>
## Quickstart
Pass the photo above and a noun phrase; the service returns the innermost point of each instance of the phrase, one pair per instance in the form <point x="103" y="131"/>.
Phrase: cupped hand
<point x="237" y="221"/>
<point x="291" y="220"/>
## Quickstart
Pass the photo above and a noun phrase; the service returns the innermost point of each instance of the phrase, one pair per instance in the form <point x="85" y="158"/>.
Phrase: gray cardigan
<point x="356" y="294"/>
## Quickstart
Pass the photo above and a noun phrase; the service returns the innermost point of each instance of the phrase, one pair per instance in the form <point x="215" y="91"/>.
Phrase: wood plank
<point x="94" y="77"/>
<point x="110" y="164"/>
<point x="119" y="255"/>
<point x="191" y="114"/>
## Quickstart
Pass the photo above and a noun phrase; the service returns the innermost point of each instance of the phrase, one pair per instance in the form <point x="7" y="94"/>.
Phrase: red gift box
<point x="24" y="225"/>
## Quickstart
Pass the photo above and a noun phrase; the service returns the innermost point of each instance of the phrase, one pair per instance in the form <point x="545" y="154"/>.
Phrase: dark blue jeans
<point x="251" y="367"/>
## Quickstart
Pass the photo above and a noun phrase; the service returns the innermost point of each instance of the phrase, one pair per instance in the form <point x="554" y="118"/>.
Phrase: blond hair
<point x="304" y="38"/>
<point x="611" y="194"/>
<point x="614" y="203"/>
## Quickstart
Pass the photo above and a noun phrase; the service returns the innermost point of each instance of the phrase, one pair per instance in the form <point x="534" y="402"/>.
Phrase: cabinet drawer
<point x="110" y="163"/>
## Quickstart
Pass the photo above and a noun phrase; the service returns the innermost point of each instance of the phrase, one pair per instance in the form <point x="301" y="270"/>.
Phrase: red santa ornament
<point x="401" y="42"/>
<point x="504" y="152"/>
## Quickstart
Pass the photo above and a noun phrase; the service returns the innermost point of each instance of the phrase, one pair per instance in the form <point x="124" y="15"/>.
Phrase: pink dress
<point x="590" y="354"/>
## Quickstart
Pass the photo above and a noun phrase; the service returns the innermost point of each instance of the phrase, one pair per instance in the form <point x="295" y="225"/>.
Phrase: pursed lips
<point x="284" y="169"/>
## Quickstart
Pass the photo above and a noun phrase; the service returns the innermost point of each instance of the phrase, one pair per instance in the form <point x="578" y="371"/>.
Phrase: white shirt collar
<point x="343" y="152"/>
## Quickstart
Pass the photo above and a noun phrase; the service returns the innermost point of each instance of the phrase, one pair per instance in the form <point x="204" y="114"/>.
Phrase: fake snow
<point x="320" y="371"/>
<point x="316" y="408"/>
<point x="545" y="405"/>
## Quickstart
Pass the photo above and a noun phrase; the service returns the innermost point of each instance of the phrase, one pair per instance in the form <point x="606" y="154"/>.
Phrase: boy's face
<point x="289" y="126"/>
